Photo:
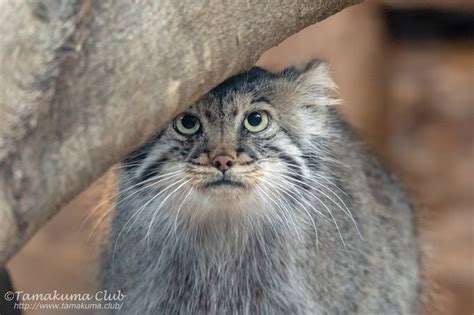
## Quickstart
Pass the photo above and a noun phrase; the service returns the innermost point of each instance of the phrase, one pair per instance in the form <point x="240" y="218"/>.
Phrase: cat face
<point x="240" y="144"/>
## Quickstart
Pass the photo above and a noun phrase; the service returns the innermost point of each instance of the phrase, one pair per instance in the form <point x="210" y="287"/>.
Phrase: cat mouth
<point x="224" y="182"/>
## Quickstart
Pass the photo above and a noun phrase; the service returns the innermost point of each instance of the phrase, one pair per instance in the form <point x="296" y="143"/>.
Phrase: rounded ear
<point x="309" y="66"/>
<point x="316" y="72"/>
<point x="314" y="81"/>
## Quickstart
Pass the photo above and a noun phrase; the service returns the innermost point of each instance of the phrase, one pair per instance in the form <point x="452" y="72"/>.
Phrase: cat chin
<point x="224" y="197"/>
<point x="224" y="185"/>
<point x="225" y="192"/>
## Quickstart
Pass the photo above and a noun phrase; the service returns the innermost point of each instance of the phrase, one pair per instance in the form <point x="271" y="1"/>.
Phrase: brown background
<point x="412" y="101"/>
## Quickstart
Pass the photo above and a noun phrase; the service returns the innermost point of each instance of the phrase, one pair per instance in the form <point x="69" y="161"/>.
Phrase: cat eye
<point x="187" y="124"/>
<point x="256" y="121"/>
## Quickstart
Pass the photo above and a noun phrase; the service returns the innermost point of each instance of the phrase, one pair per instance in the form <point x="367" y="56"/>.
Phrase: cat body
<point x="259" y="199"/>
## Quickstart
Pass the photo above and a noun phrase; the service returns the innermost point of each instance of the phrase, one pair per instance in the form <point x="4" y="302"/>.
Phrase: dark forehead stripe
<point x="242" y="83"/>
<point x="260" y="99"/>
<point x="219" y="103"/>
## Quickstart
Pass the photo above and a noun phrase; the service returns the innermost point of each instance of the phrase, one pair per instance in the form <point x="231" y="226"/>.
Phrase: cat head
<point x="247" y="141"/>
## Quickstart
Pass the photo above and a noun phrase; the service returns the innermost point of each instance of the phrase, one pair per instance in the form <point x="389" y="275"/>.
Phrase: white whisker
<point x="286" y="192"/>
<point x="121" y="192"/>
<point x="159" y="208"/>
<point x="154" y="183"/>
<point x="179" y="209"/>
<point x="322" y="203"/>
<point x="138" y="212"/>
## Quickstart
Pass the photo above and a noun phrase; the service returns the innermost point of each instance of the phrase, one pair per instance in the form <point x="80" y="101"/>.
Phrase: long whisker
<point x="286" y="192"/>
<point x="282" y="207"/>
<point x="322" y="203"/>
<point x="125" y="165"/>
<point x="325" y="158"/>
<point x="97" y="207"/>
<point x="102" y="217"/>
<point x="293" y="198"/>
<point x="328" y="180"/>
<point x="136" y="213"/>
<point x="158" y="209"/>
<point x="345" y="211"/>
<point x="191" y="190"/>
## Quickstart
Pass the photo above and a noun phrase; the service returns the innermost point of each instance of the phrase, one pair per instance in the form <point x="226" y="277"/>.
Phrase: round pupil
<point x="254" y="119"/>
<point x="188" y="121"/>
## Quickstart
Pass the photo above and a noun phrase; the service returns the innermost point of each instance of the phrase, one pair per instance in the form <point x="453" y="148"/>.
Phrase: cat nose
<point x="223" y="162"/>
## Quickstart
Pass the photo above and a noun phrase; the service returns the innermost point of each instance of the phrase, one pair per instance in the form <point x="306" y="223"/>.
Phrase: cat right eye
<point x="187" y="124"/>
<point x="256" y="121"/>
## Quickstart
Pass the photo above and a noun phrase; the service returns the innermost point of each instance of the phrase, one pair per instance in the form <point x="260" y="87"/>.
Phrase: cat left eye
<point x="187" y="124"/>
<point x="256" y="121"/>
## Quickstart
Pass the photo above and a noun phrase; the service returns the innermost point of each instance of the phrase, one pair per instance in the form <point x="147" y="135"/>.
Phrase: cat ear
<point x="317" y="73"/>
<point x="314" y="81"/>
<point x="256" y="70"/>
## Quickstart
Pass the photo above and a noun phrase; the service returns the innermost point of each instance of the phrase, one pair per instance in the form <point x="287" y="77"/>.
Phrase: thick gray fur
<point x="322" y="228"/>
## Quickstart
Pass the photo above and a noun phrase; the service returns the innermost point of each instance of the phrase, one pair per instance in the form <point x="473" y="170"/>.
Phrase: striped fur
<point x="309" y="223"/>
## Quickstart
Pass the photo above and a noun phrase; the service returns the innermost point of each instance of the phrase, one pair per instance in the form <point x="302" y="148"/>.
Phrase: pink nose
<point x="223" y="162"/>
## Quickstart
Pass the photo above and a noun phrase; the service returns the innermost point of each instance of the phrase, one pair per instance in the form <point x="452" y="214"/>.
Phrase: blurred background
<point x="406" y="73"/>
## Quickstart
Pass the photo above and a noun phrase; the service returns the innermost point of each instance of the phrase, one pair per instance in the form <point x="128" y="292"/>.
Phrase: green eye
<point x="187" y="124"/>
<point x="256" y="121"/>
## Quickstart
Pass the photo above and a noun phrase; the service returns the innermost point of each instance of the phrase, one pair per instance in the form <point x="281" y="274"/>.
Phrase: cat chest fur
<point x="188" y="272"/>
<point x="253" y="280"/>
